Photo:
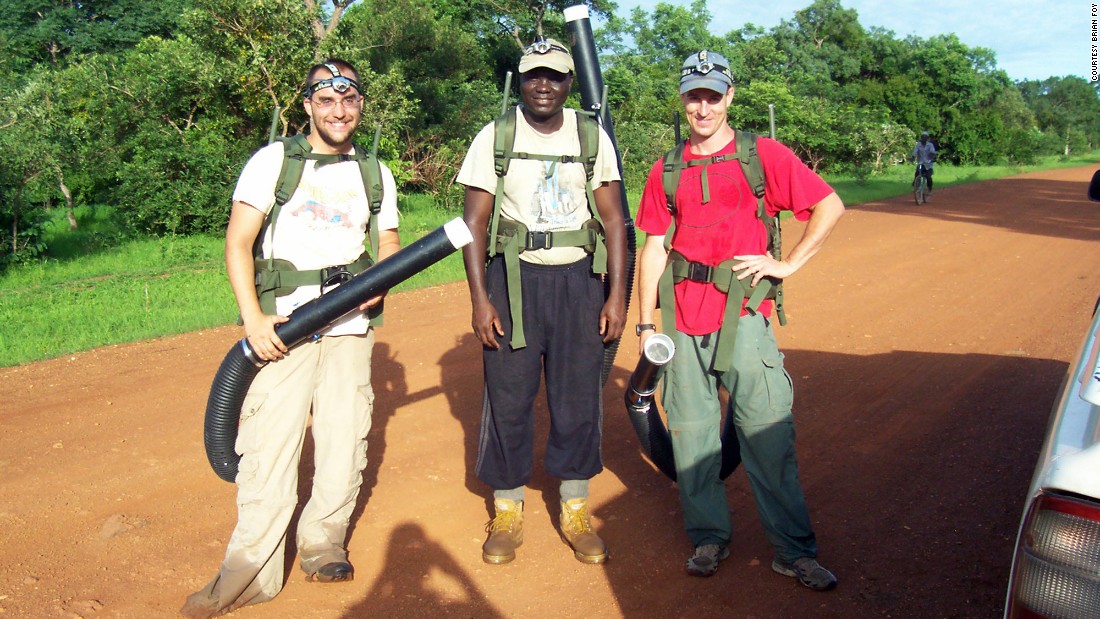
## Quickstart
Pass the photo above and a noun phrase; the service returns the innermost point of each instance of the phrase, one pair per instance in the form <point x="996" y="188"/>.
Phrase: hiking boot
<point x="704" y="561"/>
<point x="576" y="530"/>
<point x="505" y="532"/>
<point x="337" y="571"/>
<point x="808" y="572"/>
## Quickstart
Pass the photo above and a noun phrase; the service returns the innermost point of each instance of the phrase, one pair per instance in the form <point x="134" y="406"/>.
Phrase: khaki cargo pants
<point x="333" y="377"/>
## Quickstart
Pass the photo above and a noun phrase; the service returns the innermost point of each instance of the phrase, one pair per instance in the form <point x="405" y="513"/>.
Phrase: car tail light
<point x="1057" y="571"/>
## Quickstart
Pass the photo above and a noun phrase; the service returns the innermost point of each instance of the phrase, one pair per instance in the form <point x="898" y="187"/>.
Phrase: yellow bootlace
<point x="578" y="520"/>
<point x="504" y="521"/>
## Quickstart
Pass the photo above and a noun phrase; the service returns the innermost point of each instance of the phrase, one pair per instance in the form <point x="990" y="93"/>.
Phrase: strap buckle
<point x="699" y="272"/>
<point x="333" y="276"/>
<point x="538" y="240"/>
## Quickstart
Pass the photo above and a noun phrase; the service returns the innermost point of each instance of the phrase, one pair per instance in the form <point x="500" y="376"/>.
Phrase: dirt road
<point x="926" y="344"/>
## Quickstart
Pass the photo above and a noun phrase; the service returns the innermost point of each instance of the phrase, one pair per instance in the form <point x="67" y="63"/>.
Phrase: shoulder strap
<point x="749" y="157"/>
<point x="371" y="171"/>
<point x="504" y="138"/>
<point x="670" y="178"/>
<point x="294" y="162"/>
<point x="753" y="169"/>
<point x="296" y="150"/>
<point x="588" y="132"/>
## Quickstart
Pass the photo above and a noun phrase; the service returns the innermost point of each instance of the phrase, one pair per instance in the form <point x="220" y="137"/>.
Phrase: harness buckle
<point x="333" y="276"/>
<point x="539" y="240"/>
<point x="699" y="272"/>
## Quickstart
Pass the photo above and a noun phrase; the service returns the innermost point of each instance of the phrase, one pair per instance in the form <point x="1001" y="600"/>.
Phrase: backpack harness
<point x="721" y="275"/>
<point x="511" y="238"/>
<point x="277" y="277"/>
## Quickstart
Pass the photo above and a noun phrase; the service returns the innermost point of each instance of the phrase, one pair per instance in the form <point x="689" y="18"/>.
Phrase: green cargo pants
<point x="761" y="399"/>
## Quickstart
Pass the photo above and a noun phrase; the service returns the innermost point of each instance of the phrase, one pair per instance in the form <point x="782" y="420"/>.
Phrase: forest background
<point x="127" y="122"/>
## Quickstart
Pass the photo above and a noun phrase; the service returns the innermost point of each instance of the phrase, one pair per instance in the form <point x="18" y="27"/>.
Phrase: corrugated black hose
<point x="240" y="366"/>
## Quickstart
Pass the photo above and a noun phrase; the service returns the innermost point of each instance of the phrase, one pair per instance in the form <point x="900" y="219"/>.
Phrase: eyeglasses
<point x="542" y="46"/>
<point x="324" y="103"/>
<point x="703" y="66"/>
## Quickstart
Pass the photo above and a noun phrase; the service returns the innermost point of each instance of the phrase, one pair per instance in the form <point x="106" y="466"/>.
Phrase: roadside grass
<point x="98" y="286"/>
<point x="101" y="286"/>
<point x="897" y="180"/>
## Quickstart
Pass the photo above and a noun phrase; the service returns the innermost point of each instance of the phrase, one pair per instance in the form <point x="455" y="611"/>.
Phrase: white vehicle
<point x="1056" y="564"/>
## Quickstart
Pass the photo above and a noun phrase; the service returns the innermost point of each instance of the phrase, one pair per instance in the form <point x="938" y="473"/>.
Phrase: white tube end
<point x="659" y="349"/>
<point x="575" y="12"/>
<point x="458" y="233"/>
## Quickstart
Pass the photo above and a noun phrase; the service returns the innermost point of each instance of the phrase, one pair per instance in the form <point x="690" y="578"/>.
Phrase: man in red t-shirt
<point x="719" y="237"/>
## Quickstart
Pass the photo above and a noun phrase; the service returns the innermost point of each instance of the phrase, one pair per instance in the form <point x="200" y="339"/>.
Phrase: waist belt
<point x="724" y="278"/>
<point x="513" y="238"/>
<point x="277" y="278"/>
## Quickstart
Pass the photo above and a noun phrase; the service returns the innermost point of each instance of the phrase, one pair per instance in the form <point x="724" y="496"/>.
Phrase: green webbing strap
<point x="753" y="169"/>
<point x="724" y="278"/>
<point x="511" y="238"/>
<point x="514" y="239"/>
<point x="276" y="278"/>
<point x="511" y="248"/>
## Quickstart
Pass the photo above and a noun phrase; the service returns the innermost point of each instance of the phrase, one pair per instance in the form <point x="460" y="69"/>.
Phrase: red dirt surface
<point x="926" y="344"/>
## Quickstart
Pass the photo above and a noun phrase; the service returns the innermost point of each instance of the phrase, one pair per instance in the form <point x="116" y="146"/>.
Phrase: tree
<point x="53" y="32"/>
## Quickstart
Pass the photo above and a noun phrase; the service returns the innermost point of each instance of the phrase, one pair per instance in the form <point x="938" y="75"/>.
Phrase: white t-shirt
<point x="542" y="195"/>
<point x="324" y="223"/>
<point x="923" y="153"/>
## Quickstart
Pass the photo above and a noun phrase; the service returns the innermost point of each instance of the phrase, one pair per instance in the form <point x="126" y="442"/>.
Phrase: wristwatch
<point x="646" y="327"/>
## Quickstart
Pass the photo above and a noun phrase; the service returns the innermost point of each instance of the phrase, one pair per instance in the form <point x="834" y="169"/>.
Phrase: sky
<point x="1033" y="39"/>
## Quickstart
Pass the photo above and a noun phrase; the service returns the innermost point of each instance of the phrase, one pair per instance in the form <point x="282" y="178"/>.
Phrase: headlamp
<point x="337" y="82"/>
<point x="703" y="66"/>
<point x="542" y="46"/>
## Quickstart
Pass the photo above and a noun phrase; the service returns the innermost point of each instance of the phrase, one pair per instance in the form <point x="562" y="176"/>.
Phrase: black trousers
<point x="561" y="309"/>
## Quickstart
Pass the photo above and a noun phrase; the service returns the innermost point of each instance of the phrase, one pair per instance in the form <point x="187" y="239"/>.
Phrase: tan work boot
<point x="505" y="532"/>
<point x="577" y="531"/>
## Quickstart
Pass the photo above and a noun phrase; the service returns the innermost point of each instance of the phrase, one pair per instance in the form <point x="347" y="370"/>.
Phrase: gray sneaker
<point x="704" y="561"/>
<point x="808" y="572"/>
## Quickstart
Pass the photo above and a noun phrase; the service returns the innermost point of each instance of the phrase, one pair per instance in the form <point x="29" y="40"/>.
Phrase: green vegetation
<point x="97" y="288"/>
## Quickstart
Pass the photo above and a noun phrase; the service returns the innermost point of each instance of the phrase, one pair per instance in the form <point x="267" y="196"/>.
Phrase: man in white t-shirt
<point x="924" y="153"/>
<point x="547" y="311"/>
<point x="322" y="227"/>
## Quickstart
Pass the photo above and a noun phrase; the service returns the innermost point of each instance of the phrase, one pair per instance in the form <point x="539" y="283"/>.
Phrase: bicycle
<point x="920" y="185"/>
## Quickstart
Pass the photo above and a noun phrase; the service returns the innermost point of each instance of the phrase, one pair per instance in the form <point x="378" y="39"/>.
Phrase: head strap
<point x="337" y="82"/>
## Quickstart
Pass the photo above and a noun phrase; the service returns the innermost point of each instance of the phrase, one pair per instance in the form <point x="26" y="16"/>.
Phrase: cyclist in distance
<point x="924" y="154"/>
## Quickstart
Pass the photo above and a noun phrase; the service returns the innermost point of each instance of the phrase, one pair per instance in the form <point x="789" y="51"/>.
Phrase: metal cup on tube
<point x="656" y="354"/>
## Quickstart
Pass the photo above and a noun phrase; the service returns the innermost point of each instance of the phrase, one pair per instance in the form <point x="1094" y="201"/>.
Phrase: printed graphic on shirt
<point x="321" y="211"/>
<point x="553" y="205"/>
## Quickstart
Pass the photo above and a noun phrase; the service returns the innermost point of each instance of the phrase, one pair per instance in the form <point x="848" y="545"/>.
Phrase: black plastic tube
<point x="240" y="366"/>
<point x="590" y="83"/>
<point x="644" y="417"/>
<point x="646" y="420"/>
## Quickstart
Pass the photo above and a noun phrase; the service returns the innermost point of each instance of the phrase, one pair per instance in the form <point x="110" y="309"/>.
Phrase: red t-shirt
<point x="727" y="226"/>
